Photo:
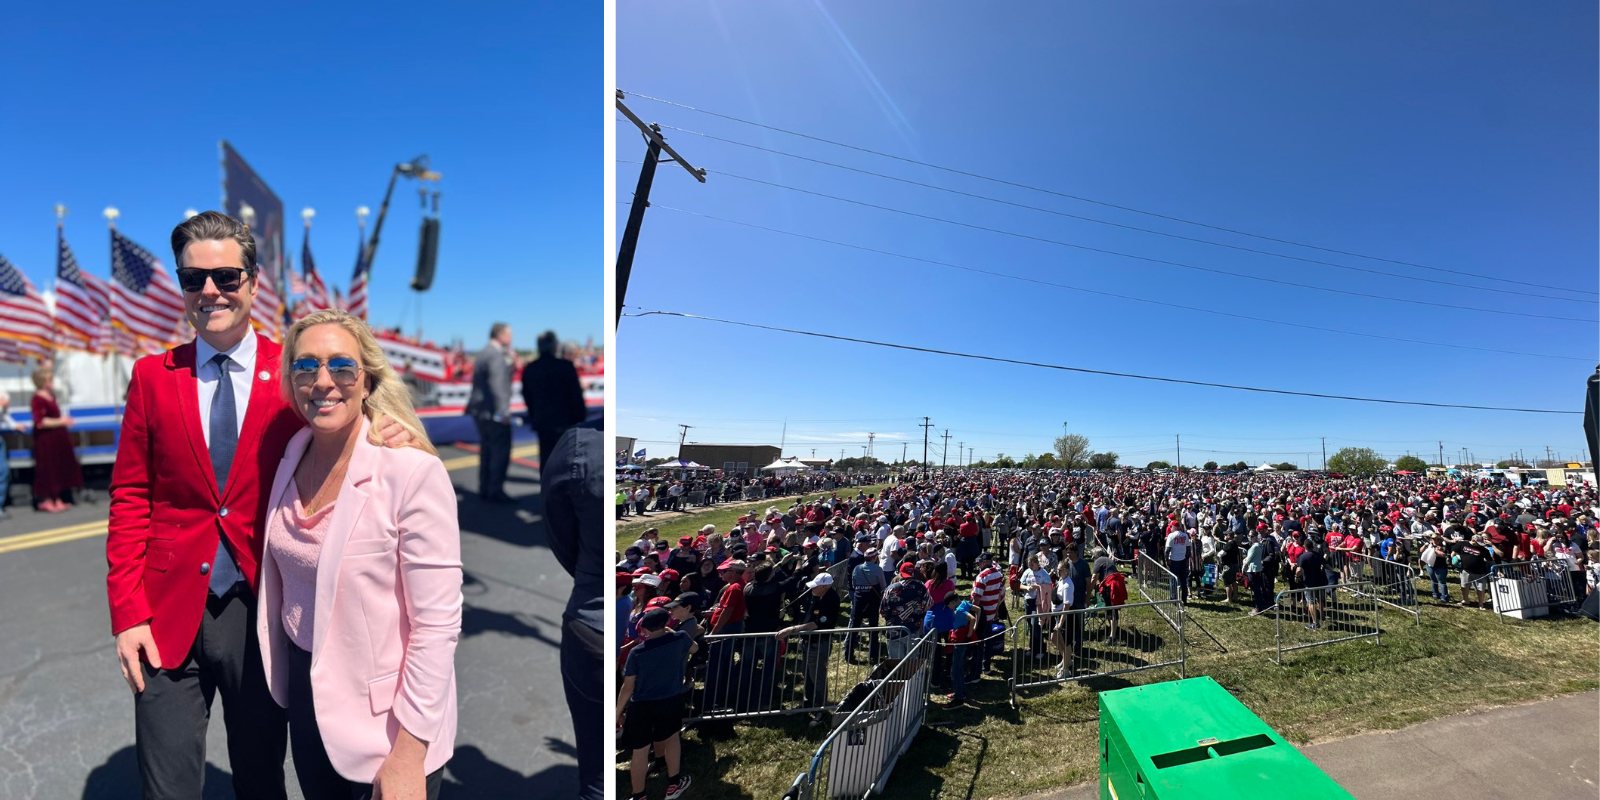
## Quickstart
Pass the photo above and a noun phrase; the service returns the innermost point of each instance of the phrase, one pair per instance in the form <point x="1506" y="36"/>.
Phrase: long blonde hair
<point x="386" y="396"/>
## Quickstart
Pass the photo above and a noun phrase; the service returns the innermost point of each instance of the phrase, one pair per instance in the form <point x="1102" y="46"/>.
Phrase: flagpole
<point x="55" y="335"/>
<point x="305" y="247"/>
<point x="111" y="213"/>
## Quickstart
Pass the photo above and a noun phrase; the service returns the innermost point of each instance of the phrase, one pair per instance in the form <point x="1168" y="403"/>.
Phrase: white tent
<point x="785" y="467"/>
<point x="1265" y="467"/>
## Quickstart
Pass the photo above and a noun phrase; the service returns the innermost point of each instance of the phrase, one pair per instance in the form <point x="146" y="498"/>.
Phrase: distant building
<point x="733" y="459"/>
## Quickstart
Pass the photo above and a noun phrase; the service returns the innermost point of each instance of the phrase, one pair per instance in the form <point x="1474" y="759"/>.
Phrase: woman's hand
<point x="401" y="777"/>
<point x="63" y="421"/>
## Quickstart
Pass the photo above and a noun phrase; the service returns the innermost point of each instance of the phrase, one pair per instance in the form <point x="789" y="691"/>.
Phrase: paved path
<point x="66" y="719"/>
<point x="1548" y="750"/>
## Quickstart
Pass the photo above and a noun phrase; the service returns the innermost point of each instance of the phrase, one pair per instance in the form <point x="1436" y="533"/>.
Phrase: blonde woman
<point x="360" y="602"/>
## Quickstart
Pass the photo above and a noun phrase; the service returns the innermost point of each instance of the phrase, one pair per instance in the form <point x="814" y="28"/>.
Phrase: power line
<point x="935" y="187"/>
<point x="1087" y="371"/>
<point x="1042" y="282"/>
<point x="1093" y="201"/>
<point x="1179" y="264"/>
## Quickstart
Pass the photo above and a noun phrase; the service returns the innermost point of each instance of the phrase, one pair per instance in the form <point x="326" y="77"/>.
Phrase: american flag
<point x="24" y="320"/>
<point x="147" y="307"/>
<point x="316" y="291"/>
<point x="357" y="304"/>
<point x="267" y="310"/>
<point x="338" y="299"/>
<point x="83" y="304"/>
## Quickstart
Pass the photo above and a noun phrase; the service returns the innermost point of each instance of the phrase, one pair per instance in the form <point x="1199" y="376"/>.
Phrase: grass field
<point x="674" y="524"/>
<point x="1457" y="660"/>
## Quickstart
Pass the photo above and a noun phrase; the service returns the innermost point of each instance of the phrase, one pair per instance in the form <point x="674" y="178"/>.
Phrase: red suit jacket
<point x="165" y="509"/>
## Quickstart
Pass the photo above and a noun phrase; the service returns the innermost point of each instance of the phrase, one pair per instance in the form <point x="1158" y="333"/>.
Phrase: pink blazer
<point x="388" y="608"/>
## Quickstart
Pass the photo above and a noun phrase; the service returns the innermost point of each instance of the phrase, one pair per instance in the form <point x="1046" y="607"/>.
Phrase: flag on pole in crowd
<point x="24" y="320"/>
<point x="338" y="299"/>
<point x="316" y="292"/>
<point x="296" y="285"/>
<point x="639" y="455"/>
<point x="83" y="304"/>
<point x="267" y="310"/>
<point x="357" y="304"/>
<point x="147" y="312"/>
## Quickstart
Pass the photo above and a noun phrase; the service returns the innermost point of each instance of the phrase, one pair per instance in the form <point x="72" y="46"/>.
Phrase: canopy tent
<point x="681" y="464"/>
<point x="1265" y="467"/>
<point x="781" y="465"/>
<point x="630" y="468"/>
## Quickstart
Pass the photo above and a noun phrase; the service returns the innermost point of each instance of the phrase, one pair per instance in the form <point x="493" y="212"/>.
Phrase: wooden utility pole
<point x="926" y="424"/>
<point x="944" y="455"/>
<point x="641" y="196"/>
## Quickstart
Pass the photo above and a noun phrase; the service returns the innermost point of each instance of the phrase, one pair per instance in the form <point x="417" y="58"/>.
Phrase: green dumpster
<point x="1191" y="739"/>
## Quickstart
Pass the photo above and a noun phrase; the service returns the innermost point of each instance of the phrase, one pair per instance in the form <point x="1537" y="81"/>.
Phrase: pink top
<point x="296" y="543"/>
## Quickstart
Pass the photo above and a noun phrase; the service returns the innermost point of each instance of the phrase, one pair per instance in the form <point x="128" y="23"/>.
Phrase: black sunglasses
<point x="227" y="279"/>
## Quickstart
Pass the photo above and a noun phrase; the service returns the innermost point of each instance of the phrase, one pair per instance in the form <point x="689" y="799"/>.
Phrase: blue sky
<point x="124" y="104"/>
<point x="1458" y="135"/>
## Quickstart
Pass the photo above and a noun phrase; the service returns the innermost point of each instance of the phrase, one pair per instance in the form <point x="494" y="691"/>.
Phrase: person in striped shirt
<point x="988" y="593"/>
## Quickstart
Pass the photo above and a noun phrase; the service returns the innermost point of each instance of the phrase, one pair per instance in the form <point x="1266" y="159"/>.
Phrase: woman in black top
<point x="763" y="606"/>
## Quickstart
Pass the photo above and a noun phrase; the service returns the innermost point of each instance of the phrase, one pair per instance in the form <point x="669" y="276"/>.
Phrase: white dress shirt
<point x="241" y="370"/>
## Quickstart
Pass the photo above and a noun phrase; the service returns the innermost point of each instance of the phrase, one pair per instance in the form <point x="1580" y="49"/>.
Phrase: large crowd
<point x="1057" y="541"/>
<point x="638" y="495"/>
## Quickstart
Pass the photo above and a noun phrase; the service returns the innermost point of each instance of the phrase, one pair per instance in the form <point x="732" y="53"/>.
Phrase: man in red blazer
<point x="204" y="422"/>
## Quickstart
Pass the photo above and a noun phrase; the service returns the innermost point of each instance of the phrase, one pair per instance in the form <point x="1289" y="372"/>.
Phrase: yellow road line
<point x="462" y="462"/>
<point x="72" y="533"/>
<point x="53" y="532"/>
<point x="60" y="535"/>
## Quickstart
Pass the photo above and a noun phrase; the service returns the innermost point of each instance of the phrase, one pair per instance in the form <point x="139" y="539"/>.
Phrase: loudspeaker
<point x="427" y="254"/>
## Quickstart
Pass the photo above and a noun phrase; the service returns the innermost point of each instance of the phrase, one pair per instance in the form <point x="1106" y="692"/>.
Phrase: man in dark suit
<point x="489" y="405"/>
<point x="574" y="476"/>
<point x="554" y="397"/>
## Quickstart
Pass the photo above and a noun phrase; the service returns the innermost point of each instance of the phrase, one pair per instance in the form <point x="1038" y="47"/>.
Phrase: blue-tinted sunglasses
<point x="342" y="369"/>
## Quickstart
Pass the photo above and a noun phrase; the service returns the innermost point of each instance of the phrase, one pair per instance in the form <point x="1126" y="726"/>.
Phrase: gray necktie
<point x="224" y="440"/>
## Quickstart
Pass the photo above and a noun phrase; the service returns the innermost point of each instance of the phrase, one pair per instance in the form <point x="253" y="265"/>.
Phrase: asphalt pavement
<point x="1548" y="750"/>
<point x="66" y="717"/>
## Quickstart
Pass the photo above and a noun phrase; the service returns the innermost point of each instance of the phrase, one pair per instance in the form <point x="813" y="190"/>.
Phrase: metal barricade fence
<point x="754" y="493"/>
<point x="1524" y="589"/>
<point x="1320" y="615"/>
<point x="1101" y="641"/>
<point x="1157" y="583"/>
<point x="752" y="675"/>
<point x="1395" y="584"/>
<point x="697" y="497"/>
<point x="871" y="734"/>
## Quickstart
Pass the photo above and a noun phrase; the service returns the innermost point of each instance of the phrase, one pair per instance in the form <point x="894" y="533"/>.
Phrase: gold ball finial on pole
<point x="111" y="213"/>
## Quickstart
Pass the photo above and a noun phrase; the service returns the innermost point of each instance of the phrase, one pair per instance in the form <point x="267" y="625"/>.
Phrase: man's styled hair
<point x="214" y="226"/>
<point x="547" y="343"/>
<point x="496" y="329"/>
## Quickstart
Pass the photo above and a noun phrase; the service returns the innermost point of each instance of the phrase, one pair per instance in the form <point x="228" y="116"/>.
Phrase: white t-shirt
<point x="1178" y="545"/>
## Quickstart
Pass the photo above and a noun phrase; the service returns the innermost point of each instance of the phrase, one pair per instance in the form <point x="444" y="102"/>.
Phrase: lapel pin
<point x="266" y="376"/>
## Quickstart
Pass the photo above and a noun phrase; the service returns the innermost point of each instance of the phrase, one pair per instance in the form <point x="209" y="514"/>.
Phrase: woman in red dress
<point x="55" y="464"/>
